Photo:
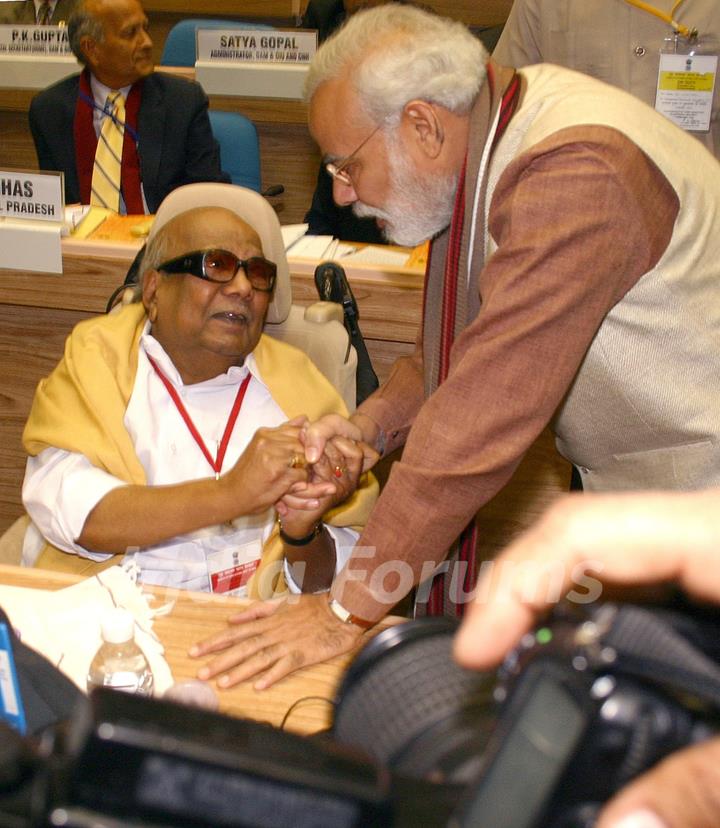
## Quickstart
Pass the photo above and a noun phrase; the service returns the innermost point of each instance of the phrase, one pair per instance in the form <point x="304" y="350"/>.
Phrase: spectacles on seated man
<point x="216" y="265"/>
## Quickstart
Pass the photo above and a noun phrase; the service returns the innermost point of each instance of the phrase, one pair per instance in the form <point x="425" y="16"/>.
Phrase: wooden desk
<point x="198" y="615"/>
<point x="287" y="14"/>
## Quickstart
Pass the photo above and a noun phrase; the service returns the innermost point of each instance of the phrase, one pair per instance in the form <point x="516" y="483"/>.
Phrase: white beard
<point x="417" y="208"/>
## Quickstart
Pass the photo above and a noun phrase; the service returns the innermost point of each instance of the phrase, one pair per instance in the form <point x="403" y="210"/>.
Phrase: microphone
<point x="275" y="190"/>
<point x="332" y="286"/>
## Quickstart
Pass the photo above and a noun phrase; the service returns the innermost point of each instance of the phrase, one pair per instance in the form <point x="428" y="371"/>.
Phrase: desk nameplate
<point x="252" y="80"/>
<point x="33" y="57"/>
<point x="255" y="45"/>
<point x="38" y="41"/>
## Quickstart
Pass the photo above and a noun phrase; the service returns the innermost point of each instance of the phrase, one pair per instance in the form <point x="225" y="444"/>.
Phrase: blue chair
<point x="179" y="48"/>
<point x="239" y="147"/>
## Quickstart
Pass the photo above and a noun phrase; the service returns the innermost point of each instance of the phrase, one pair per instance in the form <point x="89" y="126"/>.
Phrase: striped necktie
<point x="108" y="155"/>
<point x="44" y="14"/>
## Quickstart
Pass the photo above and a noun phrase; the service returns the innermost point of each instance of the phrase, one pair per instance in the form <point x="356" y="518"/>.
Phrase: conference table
<point x="302" y="702"/>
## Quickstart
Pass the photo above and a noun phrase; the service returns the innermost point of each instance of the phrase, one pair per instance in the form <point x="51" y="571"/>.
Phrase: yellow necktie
<point x="43" y="15"/>
<point x="108" y="155"/>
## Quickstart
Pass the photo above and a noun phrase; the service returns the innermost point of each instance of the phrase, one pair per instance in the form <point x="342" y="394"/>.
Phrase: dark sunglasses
<point x="221" y="266"/>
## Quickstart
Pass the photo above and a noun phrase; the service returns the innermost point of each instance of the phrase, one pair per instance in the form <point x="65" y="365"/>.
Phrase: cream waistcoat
<point x="644" y="408"/>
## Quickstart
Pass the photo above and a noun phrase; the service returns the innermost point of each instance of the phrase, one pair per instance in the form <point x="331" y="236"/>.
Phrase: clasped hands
<point x="271" y="639"/>
<point x="275" y="471"/>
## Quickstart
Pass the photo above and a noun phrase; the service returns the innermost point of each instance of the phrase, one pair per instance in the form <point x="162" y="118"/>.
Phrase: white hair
<point x="398" y="53"/>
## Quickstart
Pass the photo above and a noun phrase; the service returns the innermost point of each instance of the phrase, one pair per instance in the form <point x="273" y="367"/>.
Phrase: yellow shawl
<point x="81" y="405"/>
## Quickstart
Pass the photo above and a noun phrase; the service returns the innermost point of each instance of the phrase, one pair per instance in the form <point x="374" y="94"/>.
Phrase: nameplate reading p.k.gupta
<point x="34" y="40"/>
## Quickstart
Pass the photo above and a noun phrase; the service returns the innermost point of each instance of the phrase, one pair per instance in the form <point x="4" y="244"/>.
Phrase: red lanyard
<point x="216" y="464"/>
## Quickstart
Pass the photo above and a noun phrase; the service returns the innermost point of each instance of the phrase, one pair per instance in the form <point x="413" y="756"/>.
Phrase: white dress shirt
<point x="61" y="488"/>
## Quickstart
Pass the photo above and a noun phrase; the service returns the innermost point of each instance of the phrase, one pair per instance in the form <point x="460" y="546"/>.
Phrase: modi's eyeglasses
<point x="216" y="265"/>
<point x="339" y="170"/>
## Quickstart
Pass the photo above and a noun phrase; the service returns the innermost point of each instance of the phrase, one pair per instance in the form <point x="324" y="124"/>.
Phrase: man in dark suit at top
<point x="37" y="12"/>
<point x="164" y="138"/>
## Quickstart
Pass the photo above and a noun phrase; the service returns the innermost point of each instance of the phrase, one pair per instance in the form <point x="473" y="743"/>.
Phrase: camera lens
<point x="406" y="703"/>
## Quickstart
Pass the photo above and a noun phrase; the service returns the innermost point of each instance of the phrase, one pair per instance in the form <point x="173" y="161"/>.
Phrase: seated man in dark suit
<point x="36" y="12"/>
<point x="154" y="137"/>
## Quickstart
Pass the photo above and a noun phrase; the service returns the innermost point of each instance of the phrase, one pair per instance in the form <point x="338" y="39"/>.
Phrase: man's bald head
<point x="111" y="38"/>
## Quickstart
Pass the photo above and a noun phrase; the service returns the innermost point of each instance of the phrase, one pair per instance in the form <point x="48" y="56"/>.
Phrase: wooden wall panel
<point x="485" y="13"/>
<point x="16" y="146"/>
<point x="285" y="14"/>
<point x="31" y="343"/>
<point x="230" y="8"/>
<point x="289" y="156"/>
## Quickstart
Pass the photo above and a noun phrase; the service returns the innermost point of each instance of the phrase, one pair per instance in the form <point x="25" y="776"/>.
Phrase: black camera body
<point x="584" y="704"/>
<point x="587" y="703"/>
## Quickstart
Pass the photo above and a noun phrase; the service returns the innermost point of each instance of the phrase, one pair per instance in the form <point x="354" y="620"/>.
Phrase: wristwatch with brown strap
<point x="344" y="615"/>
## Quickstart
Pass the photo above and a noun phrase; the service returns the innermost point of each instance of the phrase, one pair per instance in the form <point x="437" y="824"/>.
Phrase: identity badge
<point x="231" y="568"/>
<point x="686" y="84"/>
<point x="11" y="708"/>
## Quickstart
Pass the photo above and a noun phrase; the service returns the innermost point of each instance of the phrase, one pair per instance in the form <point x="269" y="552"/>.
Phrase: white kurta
<point x="61" y="488"/>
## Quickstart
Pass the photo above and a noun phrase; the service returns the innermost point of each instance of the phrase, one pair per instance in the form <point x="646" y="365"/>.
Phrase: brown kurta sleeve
<point x="577" y="220"/>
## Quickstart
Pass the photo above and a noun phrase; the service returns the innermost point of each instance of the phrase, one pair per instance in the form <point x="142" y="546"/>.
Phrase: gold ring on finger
<point x="297" y="461"/>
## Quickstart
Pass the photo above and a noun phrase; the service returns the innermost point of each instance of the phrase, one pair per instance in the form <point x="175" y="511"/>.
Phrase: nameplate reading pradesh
<point x="37" y="196"/>
<point x="34" y="40"/>
<point x="256" y="45"/>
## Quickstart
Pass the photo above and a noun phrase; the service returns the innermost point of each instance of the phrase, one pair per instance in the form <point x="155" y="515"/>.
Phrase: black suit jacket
<point x="325" y="16"/>
<point x="175" y="142"/>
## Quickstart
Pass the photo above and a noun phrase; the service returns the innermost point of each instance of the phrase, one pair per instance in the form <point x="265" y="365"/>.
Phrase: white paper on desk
<point x="65" y="625"/>
<point x="73" y="216"/>
<point x="343" y="250"/>
<point x="311" y="247"/>
<point x="291" y="233"/>
<point x="378" y="255"/>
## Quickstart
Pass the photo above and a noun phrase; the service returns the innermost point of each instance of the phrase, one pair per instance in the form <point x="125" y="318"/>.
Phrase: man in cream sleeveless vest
<point x="573" y="280"/>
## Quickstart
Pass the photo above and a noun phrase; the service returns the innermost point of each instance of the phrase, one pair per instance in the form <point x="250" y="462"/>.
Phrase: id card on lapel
<point x="687" y="77"/>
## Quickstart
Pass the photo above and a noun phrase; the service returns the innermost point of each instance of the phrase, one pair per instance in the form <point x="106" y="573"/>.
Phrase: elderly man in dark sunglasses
<point x="171" y="432"/>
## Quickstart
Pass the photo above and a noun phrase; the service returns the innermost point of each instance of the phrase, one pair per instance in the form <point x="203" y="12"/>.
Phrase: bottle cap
<point x="194" y="693"/>
<point x="117" y="626"/>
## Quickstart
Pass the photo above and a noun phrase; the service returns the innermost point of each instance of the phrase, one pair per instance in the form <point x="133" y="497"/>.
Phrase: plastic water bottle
<point x="119" y="663"/>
